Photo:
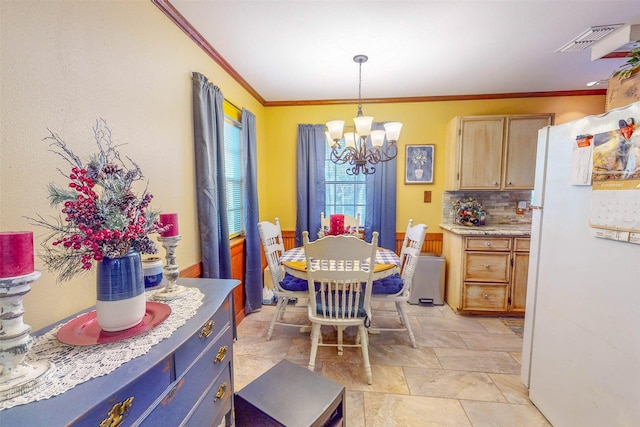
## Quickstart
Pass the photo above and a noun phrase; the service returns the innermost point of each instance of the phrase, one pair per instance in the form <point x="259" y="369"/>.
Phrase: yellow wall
<point x="65" y="64"/>
<point x="423" y="123"/>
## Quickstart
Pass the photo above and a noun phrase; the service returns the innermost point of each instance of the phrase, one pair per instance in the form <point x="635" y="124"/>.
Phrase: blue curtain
<point x="310" y="180"/>
<point x="253" y="257"/>
<point x="381" y="202"/>
<point x="208" y="136"/>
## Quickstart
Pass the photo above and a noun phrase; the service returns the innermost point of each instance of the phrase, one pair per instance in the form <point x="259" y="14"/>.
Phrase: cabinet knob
<point x="222" y="352"/>
<point x="207" y="329"/>
<point x="495" y="183"/>
<point x="487" y="266"/>
<point x="488" y="243"/>
<point x="220" y="393"/>
<point x="118" y="413"/>
<point x="485" y="296"/>
<point x="509" y="183"/>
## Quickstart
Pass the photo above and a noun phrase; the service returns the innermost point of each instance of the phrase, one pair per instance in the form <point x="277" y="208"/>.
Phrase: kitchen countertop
<point x="489" y="230"/>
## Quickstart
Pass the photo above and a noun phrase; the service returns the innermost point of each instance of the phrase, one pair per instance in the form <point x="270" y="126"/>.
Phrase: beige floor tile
<point x="487" y="341"/>
<point x="439" y="338"/>
<point x="477" y="360"/>
<point x="494" y="325"/>
<point x="512" y="388"/>
<point x="390" y="410"/>
<point x="487" y="414"/>
<point x="455" y="324"/>
<point x="355" y="408"/>
<point x="402" y="355"/>
<point x="452" y="384"/>
<point x="386" y="379"/>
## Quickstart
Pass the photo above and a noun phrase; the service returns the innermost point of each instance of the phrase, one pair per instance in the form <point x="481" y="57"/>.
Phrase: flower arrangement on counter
<point x="468" y="211"/>
<point x="102" y="216"/>
<point x="337" y="228"/>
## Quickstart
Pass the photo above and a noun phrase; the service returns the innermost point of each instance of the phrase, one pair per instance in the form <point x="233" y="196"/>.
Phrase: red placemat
<point x="85" y="330"/>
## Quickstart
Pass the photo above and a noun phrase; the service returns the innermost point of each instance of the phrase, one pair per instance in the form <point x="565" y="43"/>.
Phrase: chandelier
<point x="364" y="148"/>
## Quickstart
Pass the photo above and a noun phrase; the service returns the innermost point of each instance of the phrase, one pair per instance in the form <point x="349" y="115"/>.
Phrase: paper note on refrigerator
<point x="581" y="161"/>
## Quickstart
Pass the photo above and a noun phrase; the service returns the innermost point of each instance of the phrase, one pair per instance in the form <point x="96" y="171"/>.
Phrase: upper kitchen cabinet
<point x="493" y="152"/>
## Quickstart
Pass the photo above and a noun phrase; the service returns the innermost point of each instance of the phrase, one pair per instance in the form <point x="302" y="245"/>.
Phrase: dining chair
<point x="340" y="277"/>
<point x="397" y="287"/>
<point x="349" y="221"/>
<point x="286" y="288"/>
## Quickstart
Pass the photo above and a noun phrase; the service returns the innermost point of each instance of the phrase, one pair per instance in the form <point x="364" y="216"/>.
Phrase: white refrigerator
<point x="581" y="347"/>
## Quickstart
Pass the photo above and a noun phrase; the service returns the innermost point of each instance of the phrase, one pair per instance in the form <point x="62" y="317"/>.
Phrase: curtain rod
<point x="233" y="105"/>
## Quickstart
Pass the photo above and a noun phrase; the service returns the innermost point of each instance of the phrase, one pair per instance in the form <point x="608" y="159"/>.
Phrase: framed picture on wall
<point x="419" y="164"/>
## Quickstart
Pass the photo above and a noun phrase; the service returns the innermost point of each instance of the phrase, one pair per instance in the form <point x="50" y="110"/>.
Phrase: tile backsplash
<point x="500" y="206"/>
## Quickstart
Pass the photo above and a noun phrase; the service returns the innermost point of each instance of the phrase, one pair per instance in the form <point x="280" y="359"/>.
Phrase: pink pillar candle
<point x="336" y="224"/>
<point x="16" y="253"/>
<point x="172" y="220"/>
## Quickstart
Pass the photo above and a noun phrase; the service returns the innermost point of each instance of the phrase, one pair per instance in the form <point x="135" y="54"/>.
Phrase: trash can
<point x="428" y="280"/>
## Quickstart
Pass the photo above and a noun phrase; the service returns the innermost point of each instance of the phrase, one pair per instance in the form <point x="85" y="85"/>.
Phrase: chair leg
<point x="400" y="312"/>
<point x="282" y="307"/>
<point x="406" y="323"/>
<point x="276" y="316"/>
<point x="340" y="335"/>
<point x="315" y="339"/>
<point x="364" y="345"/>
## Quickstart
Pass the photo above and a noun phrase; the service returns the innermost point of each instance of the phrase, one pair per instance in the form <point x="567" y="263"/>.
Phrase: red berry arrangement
<point x="101" y="215"/>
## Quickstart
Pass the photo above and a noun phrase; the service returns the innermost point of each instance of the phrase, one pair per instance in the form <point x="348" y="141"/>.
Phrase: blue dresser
<point x="186" y="379"/>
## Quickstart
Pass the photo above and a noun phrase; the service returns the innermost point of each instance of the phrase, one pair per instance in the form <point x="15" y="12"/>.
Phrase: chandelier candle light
<point x="357" y="153"/>
<point x="169" y="240"/>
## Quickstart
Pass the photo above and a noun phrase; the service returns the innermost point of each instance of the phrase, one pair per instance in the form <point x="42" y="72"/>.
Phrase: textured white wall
<point x="65" y="64"/>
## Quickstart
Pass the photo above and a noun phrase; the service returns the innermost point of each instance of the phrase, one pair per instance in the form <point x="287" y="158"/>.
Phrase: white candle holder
<point x="17" y="377"/>
<point x="171" y="290"/>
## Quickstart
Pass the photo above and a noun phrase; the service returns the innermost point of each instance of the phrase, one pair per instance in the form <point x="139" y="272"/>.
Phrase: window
<point x="345" y="194"/>
<point x="234" y="175"/>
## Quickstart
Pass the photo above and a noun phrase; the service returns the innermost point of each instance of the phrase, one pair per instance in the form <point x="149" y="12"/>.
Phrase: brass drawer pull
<point x="117" y="414"/>
<point x="221" y="354"/>
<point x="220" y="393"/>
<point x="207" y="329"/>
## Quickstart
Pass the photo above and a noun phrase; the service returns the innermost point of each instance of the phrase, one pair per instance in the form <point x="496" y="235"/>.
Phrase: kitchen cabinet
<point x="186" y="379"/>
<point x="486" y="273"/>
<point x="493" y="152"/>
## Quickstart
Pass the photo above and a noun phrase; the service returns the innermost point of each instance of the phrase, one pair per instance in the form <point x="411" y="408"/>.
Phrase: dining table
<point x="387" y="263"/>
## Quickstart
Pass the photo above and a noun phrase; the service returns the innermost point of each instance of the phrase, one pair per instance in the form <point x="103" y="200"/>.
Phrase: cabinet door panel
<point x="519" y="281"/>
<point x="520" y="151"/>
<point x="487" y="267"/>
<point x="481" y="153"/>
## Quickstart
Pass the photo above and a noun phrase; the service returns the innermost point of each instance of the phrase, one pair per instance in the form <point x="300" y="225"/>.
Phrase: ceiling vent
<point x="589" y="37"/>
<point x="621" y="40"/>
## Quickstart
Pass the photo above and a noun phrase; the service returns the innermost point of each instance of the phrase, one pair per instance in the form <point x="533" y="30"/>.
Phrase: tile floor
<point x="465" y="371"/>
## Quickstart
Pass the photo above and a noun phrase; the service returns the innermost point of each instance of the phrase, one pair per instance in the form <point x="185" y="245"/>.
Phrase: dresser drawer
<point x="483" y="297"/>
<point x="178" y="402"/>
<point x="137" y="397"/>
<point x="207" y="333"/>
<point x="488" y="243"/>
<point x="215" y="402"/>
<point x="487" y="267"/>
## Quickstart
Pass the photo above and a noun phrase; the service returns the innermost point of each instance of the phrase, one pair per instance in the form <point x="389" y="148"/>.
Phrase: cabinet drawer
<point x="487" y="267"/>
<point x="488" y="244"/>
<point x="214" y="403"/>
<point x="484" y="297"/>
<point x="207" y="333"/>
<point x="521" y="244"/>
<point x="142" y="393"/>
<point x="178" y="402"/>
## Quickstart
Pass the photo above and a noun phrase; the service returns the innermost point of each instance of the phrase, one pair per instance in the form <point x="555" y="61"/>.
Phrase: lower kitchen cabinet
<point x="486" y="274"/>
<point x="184" y="380"/>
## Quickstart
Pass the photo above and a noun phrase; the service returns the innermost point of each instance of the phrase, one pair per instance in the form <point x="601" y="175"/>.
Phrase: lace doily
<point x="77" y="364"/>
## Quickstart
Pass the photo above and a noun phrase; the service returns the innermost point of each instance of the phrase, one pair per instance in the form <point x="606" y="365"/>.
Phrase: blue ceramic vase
<point x="121" y="301"/>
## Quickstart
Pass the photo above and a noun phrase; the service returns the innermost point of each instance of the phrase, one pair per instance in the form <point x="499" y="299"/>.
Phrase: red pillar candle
<point x="336" y="224"/>
<point x="172" y="220"/>
<point x="16" y="253"/>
